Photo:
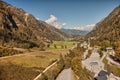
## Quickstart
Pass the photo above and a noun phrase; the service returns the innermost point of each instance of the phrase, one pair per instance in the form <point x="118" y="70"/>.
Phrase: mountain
<point x="106" y="33"/>
<point x="108" y="28"/>
<point x="21" y="29"/>
<point x="74" y="32"/>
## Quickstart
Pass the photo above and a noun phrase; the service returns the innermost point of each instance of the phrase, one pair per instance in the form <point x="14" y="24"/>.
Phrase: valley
<point x="49" y="49"/>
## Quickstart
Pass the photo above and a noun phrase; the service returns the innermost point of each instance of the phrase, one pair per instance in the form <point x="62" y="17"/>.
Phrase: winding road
<point x="94" y="63"/>
<point x="66" y="74"/>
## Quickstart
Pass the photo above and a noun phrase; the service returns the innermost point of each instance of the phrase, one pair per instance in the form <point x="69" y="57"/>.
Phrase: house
<point x="110" y="51"/>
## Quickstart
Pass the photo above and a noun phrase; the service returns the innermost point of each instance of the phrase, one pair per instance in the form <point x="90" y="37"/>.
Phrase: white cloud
<point x="58" y="24"/>
<point x="37" y="18"/>
<point x="54" y="22"/>
<point x="51" y="19"/>
<point x="85" y="28"/>
<point x="63" y="24"/>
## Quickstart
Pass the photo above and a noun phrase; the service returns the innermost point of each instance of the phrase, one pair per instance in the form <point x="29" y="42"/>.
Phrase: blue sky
<point x="73" y="13"/>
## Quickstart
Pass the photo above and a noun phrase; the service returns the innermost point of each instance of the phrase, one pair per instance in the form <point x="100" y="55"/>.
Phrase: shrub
<point x="8" y="52"/>
<point x="117" y="55"/>
<point x="89" y="53"/>
<point x="100" y="53"/>
<point x="67" y="62"/>
<point x="76" y="65"/>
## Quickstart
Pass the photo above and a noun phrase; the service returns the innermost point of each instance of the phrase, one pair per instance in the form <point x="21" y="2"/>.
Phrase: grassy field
<point x="29" y="64"/>
<point x="61" y="45"/>
<point x="39" y="59"/>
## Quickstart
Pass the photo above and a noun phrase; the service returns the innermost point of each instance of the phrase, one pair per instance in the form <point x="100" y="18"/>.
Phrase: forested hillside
<point x="107" y="32"/>
<point x="21" y="29"/>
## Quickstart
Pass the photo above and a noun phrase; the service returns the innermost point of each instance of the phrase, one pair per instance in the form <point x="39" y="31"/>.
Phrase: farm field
<point x="61" y="45"/>
<point x="28" y="65"/>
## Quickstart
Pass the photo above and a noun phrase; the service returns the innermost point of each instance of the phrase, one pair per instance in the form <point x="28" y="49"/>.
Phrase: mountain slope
<point x="107" y="32"/>
<point x="21" y="29"/>
<point x="109" y="28"/>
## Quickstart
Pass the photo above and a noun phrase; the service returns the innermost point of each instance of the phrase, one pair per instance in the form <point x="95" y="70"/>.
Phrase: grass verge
<point x="111" y="68"/>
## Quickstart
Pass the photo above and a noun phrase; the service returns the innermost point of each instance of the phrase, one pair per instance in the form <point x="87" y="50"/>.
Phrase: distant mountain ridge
<point x="20" y="29"/>
<point x="74" y="32"/>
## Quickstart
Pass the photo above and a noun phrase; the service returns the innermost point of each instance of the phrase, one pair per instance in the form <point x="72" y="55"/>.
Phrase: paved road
<point x="94" y="63"/>
<point x="66" y="74"/>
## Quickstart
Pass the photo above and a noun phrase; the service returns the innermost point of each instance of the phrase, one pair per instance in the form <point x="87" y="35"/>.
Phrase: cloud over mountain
<point x="85" y="28"/>
<point x="51" y="19"/>
<point x="54" y="22"/>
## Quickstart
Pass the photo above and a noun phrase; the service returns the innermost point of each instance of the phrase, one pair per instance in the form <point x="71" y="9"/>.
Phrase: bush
<point x="117" y="55"/>
<point x="8" y="52"/>
<point x="89" y="53"/>
<point x="100" y="53"/>
<point x="76" y="66"/>
<point x="67" y="62"/>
